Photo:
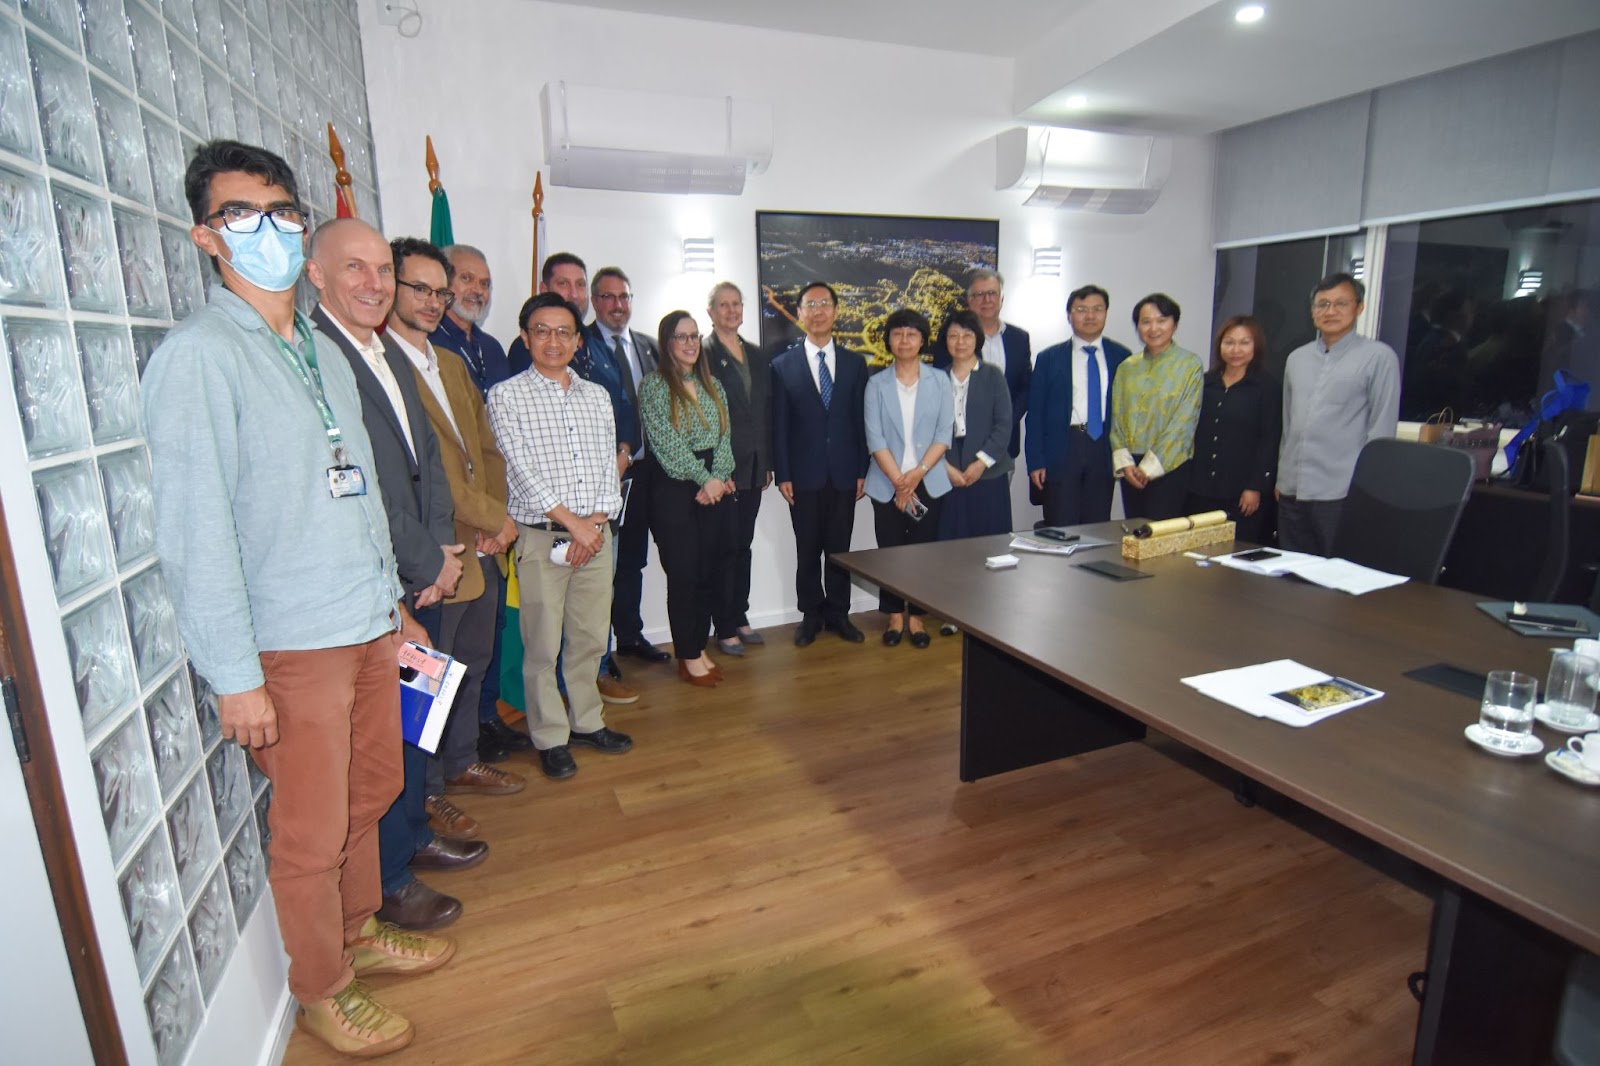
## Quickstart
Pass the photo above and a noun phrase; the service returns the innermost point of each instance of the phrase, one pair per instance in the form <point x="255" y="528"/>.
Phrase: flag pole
<point x="440" y="231"/>
<point x="538" y="221"/>
<point x="345" y="207"/>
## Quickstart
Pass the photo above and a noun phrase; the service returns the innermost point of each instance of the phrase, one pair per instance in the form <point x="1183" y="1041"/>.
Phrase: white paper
<point x="1024" y="542"/>
<point x="1339" y="574"/>
<point x="1252" y="689"/>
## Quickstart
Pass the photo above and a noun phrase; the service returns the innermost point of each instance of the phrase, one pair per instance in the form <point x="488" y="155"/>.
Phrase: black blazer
<point x="416" y="495"/>
<point x="816" y="447"/>
<point x="596" y="362"/>
<point x="989" y="422"/>
<point x="1236" y="439"/>
<point x="749" y="414"/>
<point x="1019" y="374"/>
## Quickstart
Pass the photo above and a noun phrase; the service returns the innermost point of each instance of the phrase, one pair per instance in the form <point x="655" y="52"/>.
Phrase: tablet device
<point x="1114" y="571"/>
<point x="1451" y="678"/>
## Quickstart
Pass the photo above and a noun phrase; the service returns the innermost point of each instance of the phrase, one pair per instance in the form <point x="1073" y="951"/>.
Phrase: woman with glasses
<point x="909" y="413"/>
<point x="685" y="413"/>
<point x="746" y="375"/>
<point x="1236" y="441"/>
<point x="1155" y="404"/>
<point x="978" y="462"/>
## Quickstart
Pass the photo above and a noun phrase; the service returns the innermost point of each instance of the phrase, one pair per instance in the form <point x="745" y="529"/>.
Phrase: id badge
<point x="346" y="481"/>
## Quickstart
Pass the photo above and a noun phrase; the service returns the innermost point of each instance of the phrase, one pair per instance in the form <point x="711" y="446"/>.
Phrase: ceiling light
<point x="1077" y="101"/>
<point x="1249" y="13"/>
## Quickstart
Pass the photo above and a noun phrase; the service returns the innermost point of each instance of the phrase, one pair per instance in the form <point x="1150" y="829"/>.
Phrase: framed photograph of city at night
<point x="876" y="263"/>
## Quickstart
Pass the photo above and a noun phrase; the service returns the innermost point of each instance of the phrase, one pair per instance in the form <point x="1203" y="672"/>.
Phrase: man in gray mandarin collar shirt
<point x="1339" y="392"/>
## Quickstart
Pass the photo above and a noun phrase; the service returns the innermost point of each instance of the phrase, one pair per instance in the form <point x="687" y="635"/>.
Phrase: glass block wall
<point x="101" y="104"/>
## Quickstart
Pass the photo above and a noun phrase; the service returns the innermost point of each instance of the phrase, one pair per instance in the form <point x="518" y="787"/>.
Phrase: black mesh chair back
<point x="1557" y="534"/>
<point x="1405" y="500"/>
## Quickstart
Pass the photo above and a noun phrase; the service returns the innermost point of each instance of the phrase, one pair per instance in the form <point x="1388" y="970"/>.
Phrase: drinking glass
<point x="1569" y="690"/>
<point x="1507" y="714"/>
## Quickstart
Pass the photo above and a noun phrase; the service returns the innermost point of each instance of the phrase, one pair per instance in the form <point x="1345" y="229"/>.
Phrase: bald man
<point x="352" y="267"/>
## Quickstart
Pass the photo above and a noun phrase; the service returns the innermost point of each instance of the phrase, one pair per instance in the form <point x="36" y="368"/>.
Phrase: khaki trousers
<point x="334" y="771"/>
<point x="563" y="611"/>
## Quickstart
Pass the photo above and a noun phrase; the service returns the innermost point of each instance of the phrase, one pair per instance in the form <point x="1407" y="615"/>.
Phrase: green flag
<point x="440" y="232"/>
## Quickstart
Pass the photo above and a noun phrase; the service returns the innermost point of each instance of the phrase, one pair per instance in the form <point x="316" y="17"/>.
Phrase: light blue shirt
<point x="257" y="554"/>
<point x="1334" y="401"/>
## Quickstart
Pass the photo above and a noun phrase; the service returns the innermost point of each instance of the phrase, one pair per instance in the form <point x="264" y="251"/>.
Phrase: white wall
<point x="860" y="128"/>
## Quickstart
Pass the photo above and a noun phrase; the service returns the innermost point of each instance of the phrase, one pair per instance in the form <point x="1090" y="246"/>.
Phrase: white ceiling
<point x="1178" y="66"/>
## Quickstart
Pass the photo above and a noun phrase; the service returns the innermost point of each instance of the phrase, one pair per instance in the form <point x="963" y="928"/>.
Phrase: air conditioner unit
<point x="1083" y="170"/>
<point x="652" y="142"/>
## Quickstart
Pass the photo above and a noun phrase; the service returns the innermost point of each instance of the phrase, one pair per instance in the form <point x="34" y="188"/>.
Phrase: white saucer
<point x="1569" y="766"/>
<point x="1531" y="745"/>
<point x="1588" y="725"/>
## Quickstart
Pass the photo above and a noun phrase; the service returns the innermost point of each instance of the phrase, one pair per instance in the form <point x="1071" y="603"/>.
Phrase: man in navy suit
<point x="1006" y="346"/>
<point x="1069" y="415"/>
<point x="819" y="459"/>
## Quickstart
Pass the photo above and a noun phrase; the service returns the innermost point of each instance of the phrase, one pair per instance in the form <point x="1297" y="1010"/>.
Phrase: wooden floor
<point x="786" y="870"/>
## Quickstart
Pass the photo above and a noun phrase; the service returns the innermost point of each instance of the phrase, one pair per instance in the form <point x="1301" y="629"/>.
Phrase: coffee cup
<point x="1587" y="749"/>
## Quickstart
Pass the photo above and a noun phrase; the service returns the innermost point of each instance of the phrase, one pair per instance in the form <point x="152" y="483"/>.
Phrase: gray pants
<point x="1308" y="525"/>
<point x="567" y="612"/>
<point x="467" y="634"/>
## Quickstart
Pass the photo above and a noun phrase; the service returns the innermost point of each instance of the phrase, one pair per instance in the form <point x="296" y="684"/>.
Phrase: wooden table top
<point x="1397" y="770"/>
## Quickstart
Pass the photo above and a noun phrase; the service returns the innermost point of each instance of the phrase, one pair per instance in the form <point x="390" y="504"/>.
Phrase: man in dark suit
<point x="819" y="458"/>
<point x="352" y="267"/>
<point x="618" y="358"/>
<point x="1069" y="415"/>
<point x="1006" y="346"/>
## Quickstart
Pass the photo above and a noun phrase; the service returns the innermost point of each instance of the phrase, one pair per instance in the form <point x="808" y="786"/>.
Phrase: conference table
<point x="1059" y="660"/>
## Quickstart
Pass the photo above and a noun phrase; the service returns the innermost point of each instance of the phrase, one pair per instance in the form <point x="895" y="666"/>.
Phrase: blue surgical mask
<point x="266" y="258"/>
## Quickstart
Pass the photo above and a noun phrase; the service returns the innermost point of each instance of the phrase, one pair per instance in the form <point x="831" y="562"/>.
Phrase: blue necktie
<point x="824" y="380"/>
<point x="1093" y="401"/>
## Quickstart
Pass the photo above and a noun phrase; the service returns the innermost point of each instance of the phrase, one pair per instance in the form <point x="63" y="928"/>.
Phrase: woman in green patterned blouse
<point x="1155" y="403"/>
<point x="686" y="430"/>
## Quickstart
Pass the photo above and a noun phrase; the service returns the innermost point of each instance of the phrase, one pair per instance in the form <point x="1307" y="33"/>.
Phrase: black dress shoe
<point x="419" y="908"/>
<point x="509" y="737"/>
<point x="607" y="740"/>
<point x="806" y="631"/>
<point x="446" y="853"/>
<point x="846" y="629"/>
<point x="557" y="762"/>
<point x="491" y="750"/>
<point x="643" y="649"/>
<point x="891" y="637"/>
<point x="920" y="639"/>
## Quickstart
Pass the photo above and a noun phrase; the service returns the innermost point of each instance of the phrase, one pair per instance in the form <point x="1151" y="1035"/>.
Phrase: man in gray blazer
<point x="352" y="267"/>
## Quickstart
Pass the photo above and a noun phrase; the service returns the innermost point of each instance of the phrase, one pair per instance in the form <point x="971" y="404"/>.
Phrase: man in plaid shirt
<point x="558" y="435"/>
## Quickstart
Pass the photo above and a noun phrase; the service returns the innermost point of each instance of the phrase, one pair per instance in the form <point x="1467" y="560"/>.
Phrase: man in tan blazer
<point x="477" y="476"/>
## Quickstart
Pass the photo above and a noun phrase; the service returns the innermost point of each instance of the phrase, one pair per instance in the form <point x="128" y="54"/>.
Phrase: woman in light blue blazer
<point x="909" y="415"/>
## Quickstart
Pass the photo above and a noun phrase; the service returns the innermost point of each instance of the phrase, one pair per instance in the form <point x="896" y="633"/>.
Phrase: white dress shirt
<point x="908" y="414"/>
<point x="427" y="364"/>
<point x="811" y="363"/>
<point x="372" y="352"/>
<point x="994" y="348"/>
<point x="1080" y="381"/>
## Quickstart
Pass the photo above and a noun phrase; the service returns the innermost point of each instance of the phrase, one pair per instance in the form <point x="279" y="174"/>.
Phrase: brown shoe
<point x="384" y="947"/>
<point x="485" y="780"/>
<point x="448" y="820"/>
<point x="614" y="691"/>
<point x="353" y="1023"/>
<point x="442" y="853"/>
<point x="418" y="907"/>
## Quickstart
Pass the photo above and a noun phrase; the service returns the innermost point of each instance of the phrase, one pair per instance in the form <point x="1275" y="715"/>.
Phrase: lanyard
<point x="303" y="361"/>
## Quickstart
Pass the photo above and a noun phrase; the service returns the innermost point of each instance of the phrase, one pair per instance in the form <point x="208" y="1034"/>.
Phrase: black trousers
<point x="894" y="527"/>
<point x="823" y="520"/>
<point x="1165" y="497"/>
<point x="1080" y="490"/>
<point x="633" y="551"/>
<point x="693" y="540"/>
<point x="1308" y="525"/>
<point x="731" y="612"/>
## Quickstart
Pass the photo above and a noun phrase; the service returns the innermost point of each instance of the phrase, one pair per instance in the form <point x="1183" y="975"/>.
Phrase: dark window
<point x="1273" y="282"/>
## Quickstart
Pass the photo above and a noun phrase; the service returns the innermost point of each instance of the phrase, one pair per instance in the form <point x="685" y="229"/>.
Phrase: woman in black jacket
<point x="1236" y="439"/>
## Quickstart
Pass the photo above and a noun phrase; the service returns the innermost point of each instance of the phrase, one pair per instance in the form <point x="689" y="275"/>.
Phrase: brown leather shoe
<point x="353" y="1023"/>
<point x="614" y="691"/>
<point x="418" y="907"/>
<point x="443" y="853"/>
<point x="384" y="947"/>
<point x="485" y="780"/>
<point x="703" y="680"/>
<point x="446" y="819"/>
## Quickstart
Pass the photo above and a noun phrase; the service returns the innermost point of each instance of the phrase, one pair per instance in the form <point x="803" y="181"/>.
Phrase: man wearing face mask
<point x="275" y="549"/>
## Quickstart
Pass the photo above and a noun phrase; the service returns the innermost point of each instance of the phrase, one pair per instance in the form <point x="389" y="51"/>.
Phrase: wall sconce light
<point x="1047" y="262"/>
<point x="699" y="255"/>
<point x="1529" y="282"/>
<point x="1358" y="267"/>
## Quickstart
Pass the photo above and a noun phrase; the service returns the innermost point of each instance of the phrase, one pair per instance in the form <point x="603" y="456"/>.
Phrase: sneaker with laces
<point x="614" y="691"/>
<point x="384" y="947"/>
<point x="448" y="820"/>
<point x="353" y="1023"/>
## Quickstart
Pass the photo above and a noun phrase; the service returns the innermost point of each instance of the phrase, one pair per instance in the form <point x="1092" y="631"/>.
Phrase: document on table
<point x="1340" y="574"/>
<point x="1283" y="690"/>
<point x="1027" y="542"/>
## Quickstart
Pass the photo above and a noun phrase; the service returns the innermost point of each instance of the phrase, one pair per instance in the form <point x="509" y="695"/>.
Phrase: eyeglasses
<point x="686" y="338"/>
<point x="984" y="294"/>
<point x="614" y="297"/>
<point x="242" y="218"/>
<point x="541" y="332"/>
<point x="445" y="296"/>
<point x="812" y="305"/>
<point x="1087" y="310"/>
<point x="1324" y="306"/>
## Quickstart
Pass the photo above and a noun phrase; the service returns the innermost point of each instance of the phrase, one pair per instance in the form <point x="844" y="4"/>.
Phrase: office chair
<point x="1405" y="500"/>
<point x="1548" y="583"/>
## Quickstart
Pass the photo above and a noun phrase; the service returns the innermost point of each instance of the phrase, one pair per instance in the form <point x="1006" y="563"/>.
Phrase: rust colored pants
<point x="334" y="771"/>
